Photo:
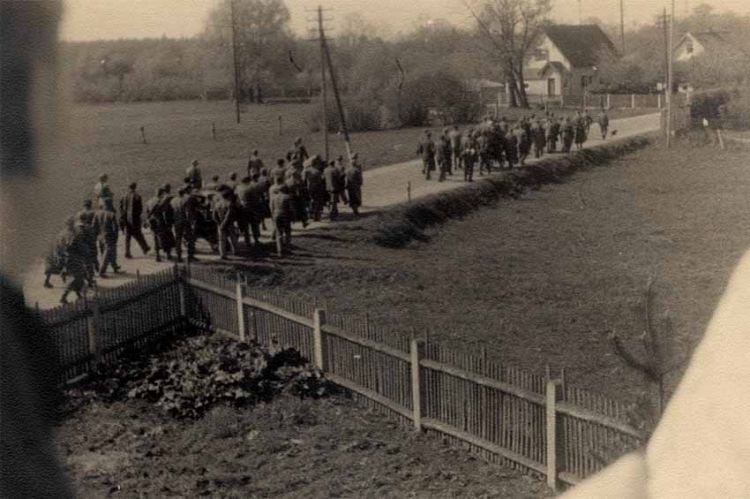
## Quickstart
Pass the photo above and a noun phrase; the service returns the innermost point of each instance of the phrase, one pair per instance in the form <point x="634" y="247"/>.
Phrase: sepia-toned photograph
<point x="375" y="249"/>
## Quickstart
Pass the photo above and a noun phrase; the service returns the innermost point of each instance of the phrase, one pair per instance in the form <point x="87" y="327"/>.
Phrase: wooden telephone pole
<point x="236" y="62"/>
<point x="324" y="90"/>
<point x="622" y="26"/>
<point x="670" y="76"/>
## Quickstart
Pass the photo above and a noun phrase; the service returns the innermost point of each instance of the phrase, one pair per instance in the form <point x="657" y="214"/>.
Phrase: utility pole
<point x="670" y="77"/>
<point x="622" y="25"/>
<point x="235" y="62"/>
<point x="342" y="116"/>
<point x="324" y="91"/>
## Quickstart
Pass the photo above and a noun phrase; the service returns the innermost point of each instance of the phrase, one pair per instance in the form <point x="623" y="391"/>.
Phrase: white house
<point x="565" y="62"/>
<point x="699" y="43"/>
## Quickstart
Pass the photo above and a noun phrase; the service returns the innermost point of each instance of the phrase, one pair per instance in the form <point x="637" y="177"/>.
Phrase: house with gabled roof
<point x="698" y="43"/>
<point x="565" y="61"/>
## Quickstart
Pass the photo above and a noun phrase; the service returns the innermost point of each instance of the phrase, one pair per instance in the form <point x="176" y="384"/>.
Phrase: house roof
<point x="580" y="44"/>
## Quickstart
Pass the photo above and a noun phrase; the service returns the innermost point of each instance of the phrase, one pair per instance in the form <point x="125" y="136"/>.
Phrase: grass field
<point x="545" y="278"/>
<point x="107" y="139"/>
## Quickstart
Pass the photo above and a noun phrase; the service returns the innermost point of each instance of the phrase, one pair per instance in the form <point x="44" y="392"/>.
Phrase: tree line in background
<point x="387" y="83"/>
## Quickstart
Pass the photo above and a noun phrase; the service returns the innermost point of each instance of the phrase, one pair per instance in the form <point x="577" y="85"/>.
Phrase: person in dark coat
<point x="225" y="214"/>
<point x="568" y="134"/>
<point x="354" y="181"/>
<point x="281" y="214"/>
<point x="580" y="131"/>
<point x="87" y="216"/>
<point x="539" y="137"/>
<point x="76" y="259"/>
<point x="603" y="121"/>
<point x="193" y="173"/>
<point x="154" y="215"/>
<point x="184" y="220"/>
<point x="553" y="135"/>
<point x="131" y="211"/>
<point x="426" y="150"/>
<point x="107" y="228"/>
<point x="253" y="200"/>
<point x="316" y="189"/>
<point x="254" y="164"/>
<point x="54" y="263"/>
<point x="333" y="182"/>
<point x="524" y="143"/>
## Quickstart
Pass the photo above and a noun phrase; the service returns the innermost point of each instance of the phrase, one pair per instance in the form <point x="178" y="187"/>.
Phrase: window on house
<point x="689" y="47"/>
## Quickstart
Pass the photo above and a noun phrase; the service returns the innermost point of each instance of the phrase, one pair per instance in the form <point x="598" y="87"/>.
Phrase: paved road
<point x="383" y="187"/>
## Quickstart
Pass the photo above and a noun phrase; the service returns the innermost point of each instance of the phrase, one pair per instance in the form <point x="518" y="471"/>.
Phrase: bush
<point x="737" y="114"/>
<point x="363" y="113"/>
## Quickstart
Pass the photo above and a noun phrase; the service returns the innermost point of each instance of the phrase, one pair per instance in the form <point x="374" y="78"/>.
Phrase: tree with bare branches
<point x="514" y="29"/>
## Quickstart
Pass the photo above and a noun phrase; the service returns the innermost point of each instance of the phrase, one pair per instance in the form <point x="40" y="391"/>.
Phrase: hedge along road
<point x="383" y="187"/>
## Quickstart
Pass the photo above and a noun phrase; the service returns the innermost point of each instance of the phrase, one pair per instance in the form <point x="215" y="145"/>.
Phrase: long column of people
<point x="296" y="189"/>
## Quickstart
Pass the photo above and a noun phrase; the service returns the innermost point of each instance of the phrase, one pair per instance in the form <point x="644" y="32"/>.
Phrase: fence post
<point x="632" y="101"/>
<point x="179" y="276"/>
<point x="319" y="320"/>
<point x="416" y="349"/>
<point x="93" y="331"/>
<point x="240" y="294"/>
<point x="555" y="442"/>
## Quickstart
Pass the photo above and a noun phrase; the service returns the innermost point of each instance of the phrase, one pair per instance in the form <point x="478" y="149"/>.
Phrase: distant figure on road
<point x="603" y="123"/>
<point x="300" y="152"/>
<point x="312" y="176"/>
<point x="455" y="138"/>
<point x="568" y="134"/>
<point x="553" y="134"/>
<point x="55" y="261"/>
<point x="87" y="216"/>
<point x="131" y="211"/>
<point x="254" y="164"/>
<point x="193" y="173"/>
<point x="540" y="139"/>
<point x="426" y="151"/>
<point x="524" y="142"/>
<point x="162" y="237"/>
<point x="225" y="214"/>
<point x="102" y="191"/>
<point x="469" y="155"/>
<point x="443" y="155"/>
<point x="580" y="131"/>
<point x="353" y="177"/>
<point x="332" y="177"/>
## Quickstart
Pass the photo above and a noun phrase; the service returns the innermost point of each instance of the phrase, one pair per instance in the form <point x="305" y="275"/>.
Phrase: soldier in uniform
<point x="102" y="191"/>
<point x="443" y="156"/>
<point x="603" y="123"/>
<point x="426" y="151"/>
<point x="281" y="214"/>
<point x="568" y="134"/>
<point x="193" y="173"/>
<point x="456" y="152"/>
<point x="225" y="215"/>
<point x="540" y="139"/>
<point x="155" y="218"/>
<point x="105" y="221"/>
<point x="55" y="261"/>
<point x="76" y="258"/>
<point x="87" y="216"/>
<point x="469" y="155"/>
<point x="524" y="142"/>
<point x="331" y="175"/>
<point x="316" y="188"/>
<point x="254" y="164"/>
<point x="354" y="181"/>
<point x="184" y="219"/>
<point x="553" y="134"/>
<point x="131" y="209"/>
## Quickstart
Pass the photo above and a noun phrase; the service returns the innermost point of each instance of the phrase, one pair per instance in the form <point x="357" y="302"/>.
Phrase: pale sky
<point x="93" y="19"/>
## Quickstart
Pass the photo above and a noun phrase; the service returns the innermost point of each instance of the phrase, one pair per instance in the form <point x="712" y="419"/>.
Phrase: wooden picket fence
<point x="100" y="328"/>
<point x="460" y="393"/>
<point x="464" y="395"/>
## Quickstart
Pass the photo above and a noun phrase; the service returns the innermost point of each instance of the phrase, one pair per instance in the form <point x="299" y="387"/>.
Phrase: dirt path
<point x="383" y="187"/>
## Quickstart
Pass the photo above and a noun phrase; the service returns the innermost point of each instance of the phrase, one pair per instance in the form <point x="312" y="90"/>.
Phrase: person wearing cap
<point x="254" y="164"/>
<point x="194" y="174"/>
<point x="131" y="211"/>
<point x="102" y="190"/>
<point x="107" y="229"/>
<point x="353" y="178"/>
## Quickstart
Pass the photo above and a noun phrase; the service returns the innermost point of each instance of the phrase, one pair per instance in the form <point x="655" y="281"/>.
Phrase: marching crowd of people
<point x="504" y="144"/>
<point x="296" y="189"/>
